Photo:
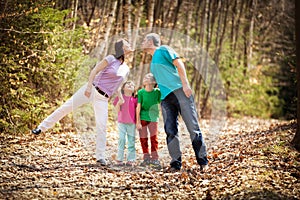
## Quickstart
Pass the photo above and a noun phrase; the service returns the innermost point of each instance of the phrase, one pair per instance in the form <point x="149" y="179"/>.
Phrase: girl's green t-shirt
<point x="149" y="104"/>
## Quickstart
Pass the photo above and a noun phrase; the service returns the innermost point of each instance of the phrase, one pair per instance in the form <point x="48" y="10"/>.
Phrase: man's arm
<point x="183" y="77"/>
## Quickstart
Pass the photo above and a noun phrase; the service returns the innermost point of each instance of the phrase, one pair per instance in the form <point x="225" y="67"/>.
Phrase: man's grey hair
<point x="155" y="38"/>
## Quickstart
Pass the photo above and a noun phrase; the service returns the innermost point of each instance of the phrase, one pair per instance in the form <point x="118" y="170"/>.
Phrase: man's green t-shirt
<point x="149" y="104"/>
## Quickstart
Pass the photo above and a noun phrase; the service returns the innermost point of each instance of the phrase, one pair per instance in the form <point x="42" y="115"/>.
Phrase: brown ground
<point x="251" y="159"/>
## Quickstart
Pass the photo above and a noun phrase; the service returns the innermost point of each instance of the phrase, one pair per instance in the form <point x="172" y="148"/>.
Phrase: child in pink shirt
<point x="125" y="106"/>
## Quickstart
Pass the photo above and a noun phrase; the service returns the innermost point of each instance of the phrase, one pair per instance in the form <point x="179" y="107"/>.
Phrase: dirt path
<point x="251" y="158"/>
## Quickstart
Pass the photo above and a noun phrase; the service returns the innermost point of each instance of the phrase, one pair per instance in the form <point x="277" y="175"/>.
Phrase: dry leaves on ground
<point x="252" y="159"/>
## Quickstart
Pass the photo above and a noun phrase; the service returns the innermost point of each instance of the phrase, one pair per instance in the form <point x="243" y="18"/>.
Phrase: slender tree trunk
<point x="188" y="26"/>
<point x="137" y="20"/>
<point x="103" y="47"/>
<point x="159" y="14"/>
<point x="75" y="13"/>
<point x="85" y="12"/>
<point x="102" y="13"/>
<point x="237" y="26"/>
<point x="144" y="66"/>
<point x="214" y="11"/>
<point x="128" y="21"/>
<point x="62" y="4"/>
<point x="197" y="19"/>
<point x="205" y="63"/>
<point x="234" y="10"/>
<point x="196" y="80"/>
<point x="251" y="30"/>
<point x="296" y="139"/>
<point x="167" y="15"/>
<point x="176" y="12"/>
<point x="3" y="6"/>
<point x="138" y="16"/>
<point x="150" y="17"/>
<point x="201" y="37"/>
<point x="94" y="3"/>
<point x="110" y="25"/>
<point x="119" y="18"/>
<point x="223" y="31"/>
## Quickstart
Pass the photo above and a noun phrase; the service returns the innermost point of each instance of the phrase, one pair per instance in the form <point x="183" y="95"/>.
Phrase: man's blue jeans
<point x="174" y="104"/>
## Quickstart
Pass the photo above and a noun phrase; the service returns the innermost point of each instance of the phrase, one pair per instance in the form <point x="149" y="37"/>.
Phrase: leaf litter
<point x="251" y="159"/>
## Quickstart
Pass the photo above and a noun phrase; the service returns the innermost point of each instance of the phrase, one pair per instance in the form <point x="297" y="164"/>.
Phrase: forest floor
<point x="251" y="159"/>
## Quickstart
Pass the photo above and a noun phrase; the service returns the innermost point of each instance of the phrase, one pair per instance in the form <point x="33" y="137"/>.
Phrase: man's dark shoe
<point x="172" y="170"/>
<point x="203" y="168"/>
<point x="36" y="131"/>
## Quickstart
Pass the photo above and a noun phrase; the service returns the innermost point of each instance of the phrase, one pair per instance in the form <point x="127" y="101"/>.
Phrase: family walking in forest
<point x="139" y="112"/>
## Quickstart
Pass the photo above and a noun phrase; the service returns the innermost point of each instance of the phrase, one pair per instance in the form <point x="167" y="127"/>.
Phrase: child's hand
<point x="138" y="126"/>
<point x="121" y="101"/>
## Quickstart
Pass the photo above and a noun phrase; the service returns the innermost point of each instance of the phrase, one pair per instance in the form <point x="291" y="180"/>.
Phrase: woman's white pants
<point x="100" y="104"/>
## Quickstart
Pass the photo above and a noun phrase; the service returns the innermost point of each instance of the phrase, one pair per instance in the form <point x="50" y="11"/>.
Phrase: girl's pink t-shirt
<point x="126" y="114"/>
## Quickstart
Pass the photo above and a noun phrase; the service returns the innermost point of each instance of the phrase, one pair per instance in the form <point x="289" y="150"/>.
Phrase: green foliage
<point x="286" y="81"/>
<point x="40" y="60"/>
<point x="250" y="92"/>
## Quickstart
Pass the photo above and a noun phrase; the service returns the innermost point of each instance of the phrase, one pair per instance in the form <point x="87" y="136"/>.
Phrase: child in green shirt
<point x="147" y="116"/>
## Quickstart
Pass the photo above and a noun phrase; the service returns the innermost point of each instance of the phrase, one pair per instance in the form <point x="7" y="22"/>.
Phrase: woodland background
<point x="45" y="45"/>
<point x="238" y="52"/>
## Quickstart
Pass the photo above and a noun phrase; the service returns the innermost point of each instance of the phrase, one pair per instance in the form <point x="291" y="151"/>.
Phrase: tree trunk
<point x="62" y="5"/>
<point x="102" y="12"/>
<point x="219" y="44"/>
<point x="150" y="17"/>
<point x="119" y="18"/>
<point x="128" y="20"/>
<point x="110" y="25"/>
<point x="158" y="15"/>
<point x="74" y="13"/>
<point x="251" y="30"/>
<point x="197" y="16"/>
<point x="167" y="16"/>
<point x="233" y="25"/>
<point x="205" y="72"/>
<point x="237" y="25"/>
<point x="296" y="139"/>
<point x="188" y="24"/>
<point x="176" y="12"/>
<point x="3" y="6"/>
<point x="144" y="66"/>
<point x="137" y="19"/>
<point x="85" y="11"/>
<point x="94" y="3"/>
<point x="102" y="48"/>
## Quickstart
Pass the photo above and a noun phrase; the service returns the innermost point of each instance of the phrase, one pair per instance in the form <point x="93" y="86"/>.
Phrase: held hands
<point x="138" y="126"/>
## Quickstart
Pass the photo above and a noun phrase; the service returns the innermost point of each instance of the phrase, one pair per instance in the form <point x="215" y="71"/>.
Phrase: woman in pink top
<point x="104" y="80"/>
<point x="126" y="123"/>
